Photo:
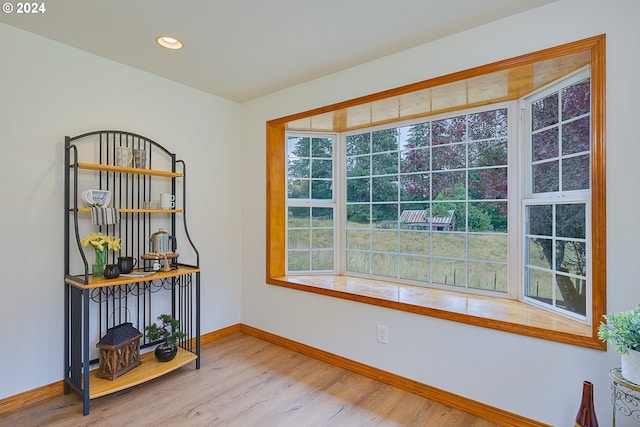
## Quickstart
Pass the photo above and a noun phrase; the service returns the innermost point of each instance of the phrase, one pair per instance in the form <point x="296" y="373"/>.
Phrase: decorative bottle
<point x="586" y="414"/>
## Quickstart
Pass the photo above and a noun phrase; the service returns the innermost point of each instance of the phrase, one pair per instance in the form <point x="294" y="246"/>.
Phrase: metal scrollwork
<point x="625" y="396"/>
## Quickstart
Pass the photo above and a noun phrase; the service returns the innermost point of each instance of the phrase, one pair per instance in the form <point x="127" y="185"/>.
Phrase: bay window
<point x="477" y="197"/>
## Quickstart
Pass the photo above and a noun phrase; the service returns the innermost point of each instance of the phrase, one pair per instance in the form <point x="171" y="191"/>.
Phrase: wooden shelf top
<point x="98" y="282"/>
<point x="130" y="210"/>
<point x="122" y="169"/>
<point x="148" y="370"/>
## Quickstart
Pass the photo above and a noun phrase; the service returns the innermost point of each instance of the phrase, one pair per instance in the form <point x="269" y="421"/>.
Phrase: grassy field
<point x="436" y="257"/>
<point x="476" y="261"/>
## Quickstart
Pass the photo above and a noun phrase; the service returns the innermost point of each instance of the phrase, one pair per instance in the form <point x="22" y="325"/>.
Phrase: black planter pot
<point x="165" y="354"/>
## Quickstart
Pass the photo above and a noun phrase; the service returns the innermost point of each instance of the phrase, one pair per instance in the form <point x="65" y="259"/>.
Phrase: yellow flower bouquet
<point x="100" y="244"/>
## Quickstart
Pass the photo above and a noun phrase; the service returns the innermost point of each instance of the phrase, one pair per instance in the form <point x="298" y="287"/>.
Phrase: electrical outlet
<point x="383" y="334"/>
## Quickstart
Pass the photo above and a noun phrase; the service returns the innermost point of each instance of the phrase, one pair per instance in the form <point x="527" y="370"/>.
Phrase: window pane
<point x="488" y="124"/>
<point x="298" y="168"/>
<point x="299" y="239"/>
<point x="540" y="220"/>
<point x="488" y="153"/>
<point x="575" y="136"/>
<point x="414" y="242"/>
<point x="415" y="136"/>
<point x="488" y="247"/>
<point x="449" y="185"/>
<point x="448" y="216"/>
<point x="386" y="212"/>
<point x="322" y="260"/>
<point x="358" y="262"/>
<point x="488" y="184"/>
<point x="546" y="177"/>
<point x="322" y="169"/>
<point x="571" y="220"/>
<point x="539" y="252"/>
<point x="322" y="147"/>
<point x="358" y="166"/>
<point x="358" y="239"/>
<point x="571" y="257"/>
<point x="539" y="285"/>
<point x="358" y="216"/>
<point x="322" y="238"/>
<point x="545" y="144"/>
<point x="414" y="216"/>
<point x="569" y="295"/>
<point x="576" y="100"/>
<point x="449" y="157"/>
<point x="450" y="245"/>
<point x="299" y="261"/>
<point x="415" y="160"/>
<point x="383" y="164"/>
<point x="298" y="147"/>
<point x="384" y="264"/>
<point x="449" y="272"/>
<point x="488" y="276"/>
<point x="488" y="216"/>
<point x="358" y="144"/>
<point x="298" y="189"/>
<point x="415" y="187"/>
<point x="384" y="140"/>
<point x="358" y="190"/>
<point x="384" y="241"/>
<point x="544" y="112"/>
<point x="415" y="268"/>
<point x="322" y="217"/>
<point x="385" y="188"/>
<point x="575" y="173"/>
<point x="450" y="130"/>
<point x="298" y="217"/>
<point x="321" y="190"/>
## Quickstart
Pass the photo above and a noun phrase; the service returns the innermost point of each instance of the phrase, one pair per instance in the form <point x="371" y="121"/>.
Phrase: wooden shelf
<point x="130" y="210"/>
<point x="121" y="169"/>
<point x="148" y="370"/>
<point x="97" y="282"/>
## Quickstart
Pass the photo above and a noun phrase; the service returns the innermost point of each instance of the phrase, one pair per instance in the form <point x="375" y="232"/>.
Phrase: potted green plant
<point x="623" y="330"/>
<point x="168" y="331"/>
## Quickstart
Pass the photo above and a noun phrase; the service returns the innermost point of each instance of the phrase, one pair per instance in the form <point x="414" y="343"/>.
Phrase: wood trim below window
<point x="495" y="313"/>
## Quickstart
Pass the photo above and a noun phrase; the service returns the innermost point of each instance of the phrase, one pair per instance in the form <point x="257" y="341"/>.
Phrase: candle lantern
<point x="119" y="351"/>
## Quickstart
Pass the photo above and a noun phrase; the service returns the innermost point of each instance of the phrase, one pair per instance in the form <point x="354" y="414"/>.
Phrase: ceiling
<point x="244" y="49"/>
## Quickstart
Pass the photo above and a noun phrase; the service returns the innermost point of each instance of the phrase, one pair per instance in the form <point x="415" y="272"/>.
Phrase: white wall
<point x="532" y="377"/>
<point x="47" y="91"/>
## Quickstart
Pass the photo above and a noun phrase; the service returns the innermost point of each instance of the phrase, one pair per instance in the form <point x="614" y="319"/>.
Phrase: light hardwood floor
<point x="245" y="381"/>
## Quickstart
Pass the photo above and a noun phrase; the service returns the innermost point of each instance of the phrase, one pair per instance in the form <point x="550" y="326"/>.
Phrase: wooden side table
<point x="625" y="396"/>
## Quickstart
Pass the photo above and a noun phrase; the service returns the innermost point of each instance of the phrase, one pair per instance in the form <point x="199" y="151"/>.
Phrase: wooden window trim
<point x="495" y="313"/>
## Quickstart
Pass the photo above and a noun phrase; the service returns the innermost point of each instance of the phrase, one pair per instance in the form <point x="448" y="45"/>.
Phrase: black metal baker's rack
<point x="95" y="304"/>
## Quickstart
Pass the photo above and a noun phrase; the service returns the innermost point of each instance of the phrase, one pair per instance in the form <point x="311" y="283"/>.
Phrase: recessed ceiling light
<point x="169" y="42"/>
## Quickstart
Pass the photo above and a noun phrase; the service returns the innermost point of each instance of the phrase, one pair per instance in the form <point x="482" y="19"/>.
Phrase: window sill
<point x="495" y="313"/>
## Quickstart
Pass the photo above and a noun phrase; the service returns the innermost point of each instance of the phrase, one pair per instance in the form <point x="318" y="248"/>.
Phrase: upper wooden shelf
<point x="121" y="169"/>
<point x="131" y="210"/>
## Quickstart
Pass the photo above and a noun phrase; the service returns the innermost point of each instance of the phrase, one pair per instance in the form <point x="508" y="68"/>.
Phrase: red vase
<point x="586" y="414"/>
